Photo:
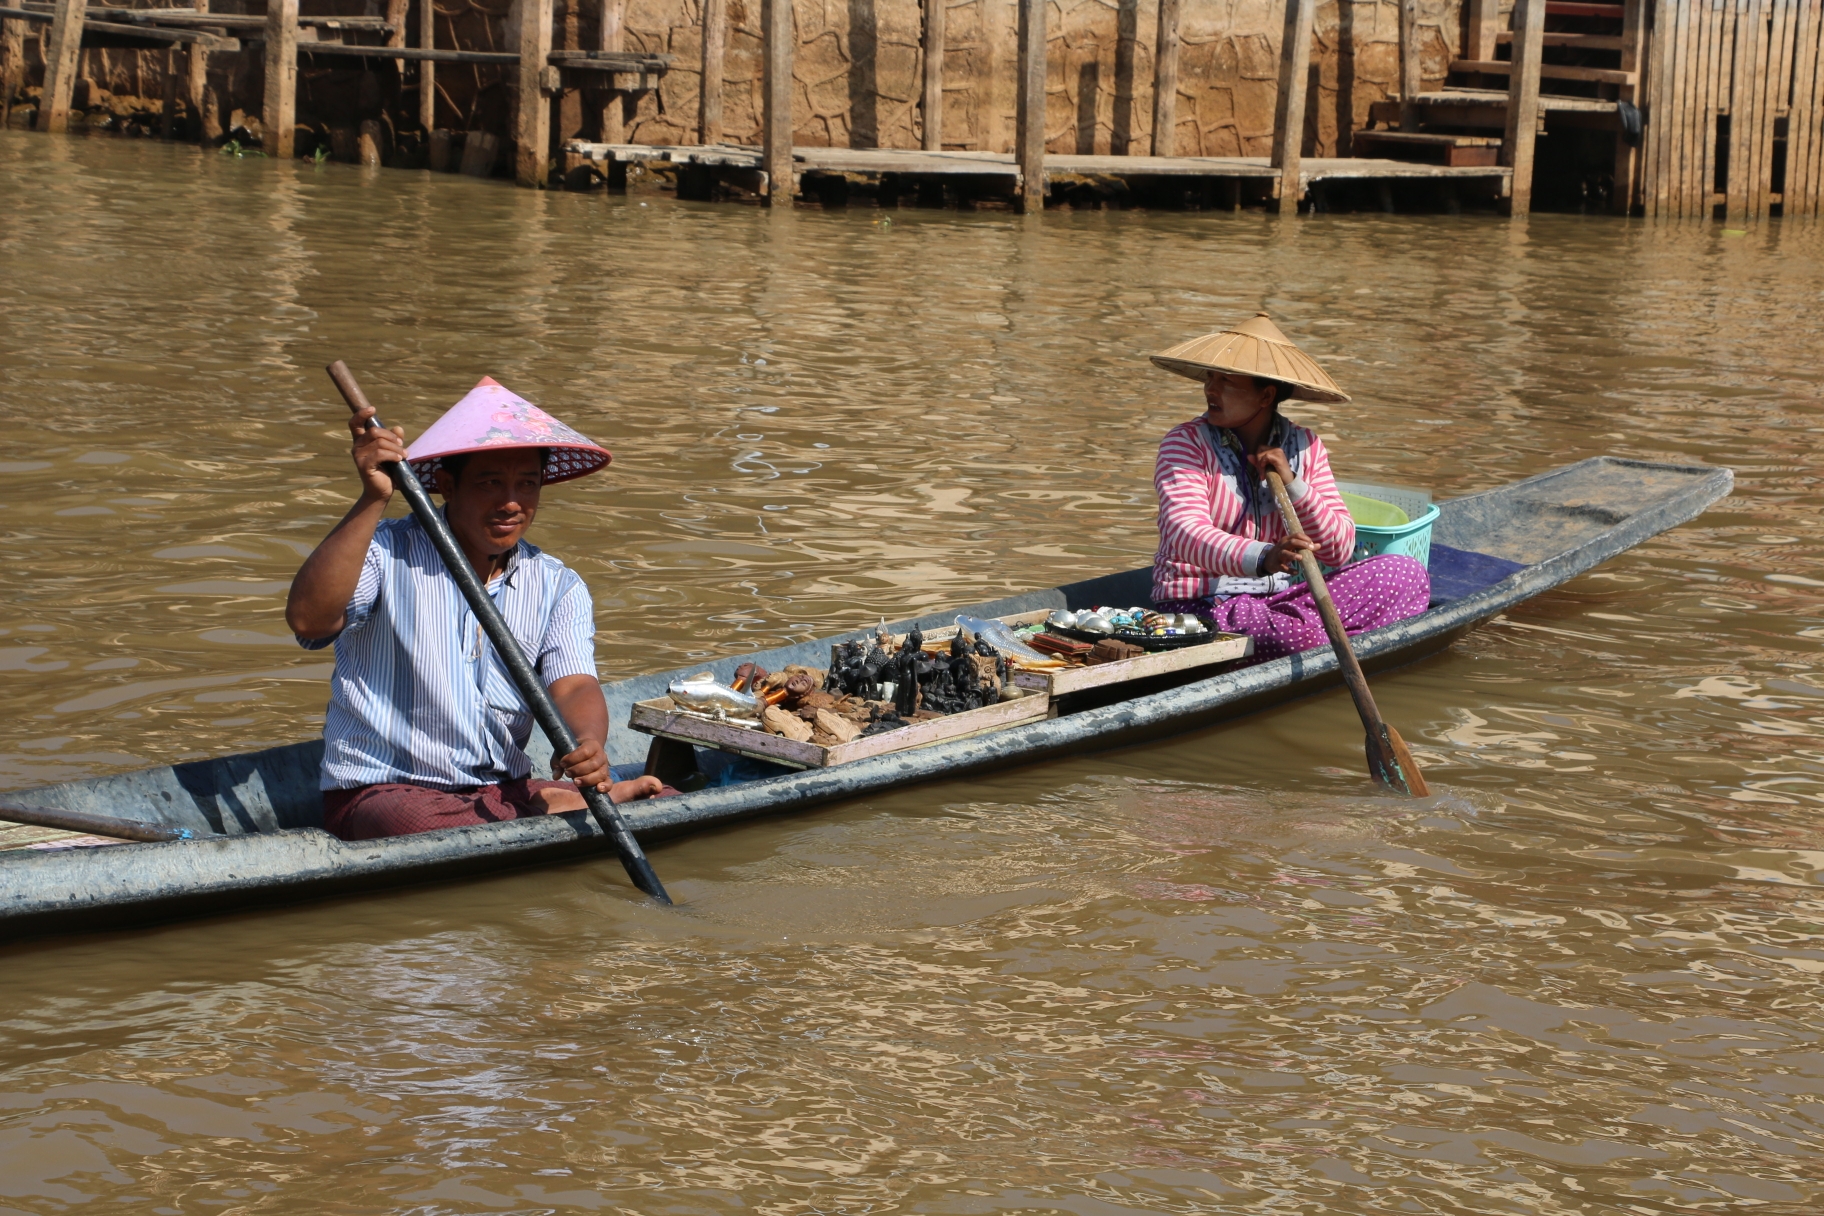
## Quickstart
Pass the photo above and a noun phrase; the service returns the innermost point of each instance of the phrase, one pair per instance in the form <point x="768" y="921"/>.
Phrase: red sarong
<point x="369" y="812"/>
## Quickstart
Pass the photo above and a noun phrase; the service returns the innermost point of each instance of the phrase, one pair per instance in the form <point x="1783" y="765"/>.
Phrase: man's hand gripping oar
<point x="1388" y="760"/>
<point x="563" y="741"/>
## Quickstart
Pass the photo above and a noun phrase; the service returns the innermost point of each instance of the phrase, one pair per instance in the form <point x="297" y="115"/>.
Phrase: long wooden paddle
<point x="506" y="646"/>
<point x="1388" y="759"/>
<point x="91" y="825"/>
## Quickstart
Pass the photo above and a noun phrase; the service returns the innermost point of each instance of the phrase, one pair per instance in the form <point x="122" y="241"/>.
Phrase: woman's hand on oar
<point x="1388" y="759"/>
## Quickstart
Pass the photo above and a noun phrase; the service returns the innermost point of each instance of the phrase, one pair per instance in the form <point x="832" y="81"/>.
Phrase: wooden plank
<point x="1224" y="649"/>
<point x="62" y="51"/>
<point x="933" y="108"/>
<point x="611" y="114"/>
<point x="1566" y="8"/>
<point x="709" y="88"/>
<point x="1289" y="102"/>
<point x="1719" y="71"/>
<point x="427" y="68"/>
<point x="660" y="717"/>
<point x="1658" y="111"/>
<point x="1411" y="75"/>
<point x="278" y="116"/>
<point x="1550" y="71"/>
<point x="1523" y="103"/>
<point x="1741" y="111"/>
<point x="1584" y="42"/>
<point x="1806" y="122"/>
<point x="1029" y="133"/>
<point x="1484" y="28"/>
<point x="1165" y="79"/>
<point x="1684" y="111"/>
<point x="779" y="35"/>
<point x="1778" y="96"/>
<point x="532" y="114"/>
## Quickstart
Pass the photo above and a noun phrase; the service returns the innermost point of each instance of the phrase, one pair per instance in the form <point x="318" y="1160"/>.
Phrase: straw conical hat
<point x="1253" y="348"/>
<point x="494" y="416"/>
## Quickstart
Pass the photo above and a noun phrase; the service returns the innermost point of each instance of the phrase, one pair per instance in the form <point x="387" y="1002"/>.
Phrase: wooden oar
<point x="1388" y="758"/>
<point x="92" y="825"/>
<point x="506" y="646"/>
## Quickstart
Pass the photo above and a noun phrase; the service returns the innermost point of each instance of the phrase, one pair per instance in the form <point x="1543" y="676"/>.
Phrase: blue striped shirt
<point x="419" y="696"/>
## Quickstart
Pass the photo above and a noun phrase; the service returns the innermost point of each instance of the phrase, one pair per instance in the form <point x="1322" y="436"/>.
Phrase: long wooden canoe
<point x="256" y="817"/>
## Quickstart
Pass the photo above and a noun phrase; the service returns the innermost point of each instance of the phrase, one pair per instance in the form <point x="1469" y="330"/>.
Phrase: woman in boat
<point x="425" y="727"/>
<point x="1224" y="554"/>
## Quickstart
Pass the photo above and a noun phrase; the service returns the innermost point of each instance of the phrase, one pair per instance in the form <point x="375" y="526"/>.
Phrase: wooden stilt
<point x="1165" y="80"/>
<point x="1289" y="105"/>
<point x="532" y="117"/>
<point x="62" y="51"/>
<point x="1624" y="194"/>
<point x="934" y="76"/>
<point x="1484" y="26"/>
<point x="1411" y="74"/>
<point x="776" y="112"/>
<point x="279" y="115"/>
<point x="196" y="83"/>
<point x="709" y="91"/>
<point x="12" y="64"/>
<point x="611" y="121"/>
<point x="167" y="127"/>
<point x="1029" y="133"/>
<point x="427" y="71"/>
<point x="1523" y="102"/>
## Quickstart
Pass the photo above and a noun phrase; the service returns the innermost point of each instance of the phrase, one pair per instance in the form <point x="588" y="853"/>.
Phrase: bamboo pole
<point x="62" y="52"/>
<point x="532" y="117"/>
<point x="776" y="108"/>
<point x="611" y="122"/>
<point x="1165" y="79"/>
<point x="934" y="76"/>
<point x="1411" y="73"/>
<point x="715" y="50"/>
<point x="427" y="70"/>
<point x="279" y="114"/>
<point x="1523" y="102"/>
<point x="1029" y="133"/>
<point x="1289" y="104"/>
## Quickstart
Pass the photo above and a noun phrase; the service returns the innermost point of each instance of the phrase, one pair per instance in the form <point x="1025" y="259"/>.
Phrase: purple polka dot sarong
<point x="1370" y="593"/>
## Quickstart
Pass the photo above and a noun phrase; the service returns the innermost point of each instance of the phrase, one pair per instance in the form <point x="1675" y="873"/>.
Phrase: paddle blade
<point x="1393" y="766"/>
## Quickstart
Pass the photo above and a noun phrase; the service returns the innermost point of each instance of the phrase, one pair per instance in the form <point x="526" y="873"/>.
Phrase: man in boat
<point x="1224" y="552"/>
<point x="425" y="728"/>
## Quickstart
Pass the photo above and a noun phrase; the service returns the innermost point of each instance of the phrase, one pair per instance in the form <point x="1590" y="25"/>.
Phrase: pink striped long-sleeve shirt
<point x="1216" y="517"/>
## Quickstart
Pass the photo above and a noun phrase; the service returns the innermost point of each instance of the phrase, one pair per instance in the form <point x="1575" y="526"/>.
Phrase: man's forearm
<point x="579" y="699"/>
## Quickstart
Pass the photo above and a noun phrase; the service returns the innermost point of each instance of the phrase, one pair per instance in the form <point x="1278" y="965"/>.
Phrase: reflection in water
<point x="1218" y="973"/>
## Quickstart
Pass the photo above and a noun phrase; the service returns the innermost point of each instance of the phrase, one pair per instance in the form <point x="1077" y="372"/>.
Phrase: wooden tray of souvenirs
<point x="662" y="717"/>
<point x="1221" y="648"/>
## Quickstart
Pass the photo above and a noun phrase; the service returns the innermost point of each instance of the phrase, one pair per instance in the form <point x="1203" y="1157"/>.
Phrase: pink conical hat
<point x="493" y="416"/>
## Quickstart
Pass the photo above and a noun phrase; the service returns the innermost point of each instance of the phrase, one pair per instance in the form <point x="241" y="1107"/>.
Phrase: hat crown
<point x="1261" y="326"/>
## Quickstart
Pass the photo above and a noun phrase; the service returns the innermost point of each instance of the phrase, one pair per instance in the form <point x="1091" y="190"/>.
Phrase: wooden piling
<point x="610" y="121"/>
<point x="933" y="110"/>
<point x="1029" y="132"/>
<point x="709" y="91"/>
<point x="776" y="97"/>
<point x="427" y="70"/>
<point x="167" y="125"/>
<point x="532" y="116"/>
<point x="1289" y="104"/>
<point x="279" y="114"/>
<point x="1165" y="79"/>
<point x="62" y="52"/>
<point x="196" y="83"/>
<point x="1411" y="70"/>
<point x="1523" y="102"/>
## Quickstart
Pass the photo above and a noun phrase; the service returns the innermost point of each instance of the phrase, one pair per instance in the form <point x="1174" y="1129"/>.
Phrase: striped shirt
<point x="1217" y="518"/>
<point x="418" y="694"/>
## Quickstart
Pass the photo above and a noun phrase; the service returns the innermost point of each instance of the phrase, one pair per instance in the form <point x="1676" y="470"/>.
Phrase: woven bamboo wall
<point x="1758" y="65"/>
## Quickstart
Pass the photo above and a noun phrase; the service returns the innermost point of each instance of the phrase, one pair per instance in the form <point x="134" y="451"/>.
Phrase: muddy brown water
<point x="1218" y="974"/>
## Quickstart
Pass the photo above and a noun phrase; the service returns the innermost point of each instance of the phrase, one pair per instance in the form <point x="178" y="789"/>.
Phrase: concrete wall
<point x="859" y="71"/>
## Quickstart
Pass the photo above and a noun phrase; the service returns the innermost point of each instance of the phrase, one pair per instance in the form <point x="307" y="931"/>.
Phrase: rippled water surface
<point x="1218" y="974"/>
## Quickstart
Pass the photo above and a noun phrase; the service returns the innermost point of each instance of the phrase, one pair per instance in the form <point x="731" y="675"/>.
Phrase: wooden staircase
<point x="1563" y="63"/>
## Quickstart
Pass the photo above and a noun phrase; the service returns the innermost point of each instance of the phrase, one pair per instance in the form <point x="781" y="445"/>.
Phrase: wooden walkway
<point x="907" y="170"/>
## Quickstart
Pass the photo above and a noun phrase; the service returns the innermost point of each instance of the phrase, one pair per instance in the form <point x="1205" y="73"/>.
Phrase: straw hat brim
<point x="564" y="462"/>
<point x="1254" y="348"/>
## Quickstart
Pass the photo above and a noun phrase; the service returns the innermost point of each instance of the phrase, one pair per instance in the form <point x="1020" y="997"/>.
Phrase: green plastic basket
<point x="1412" y="538"/>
